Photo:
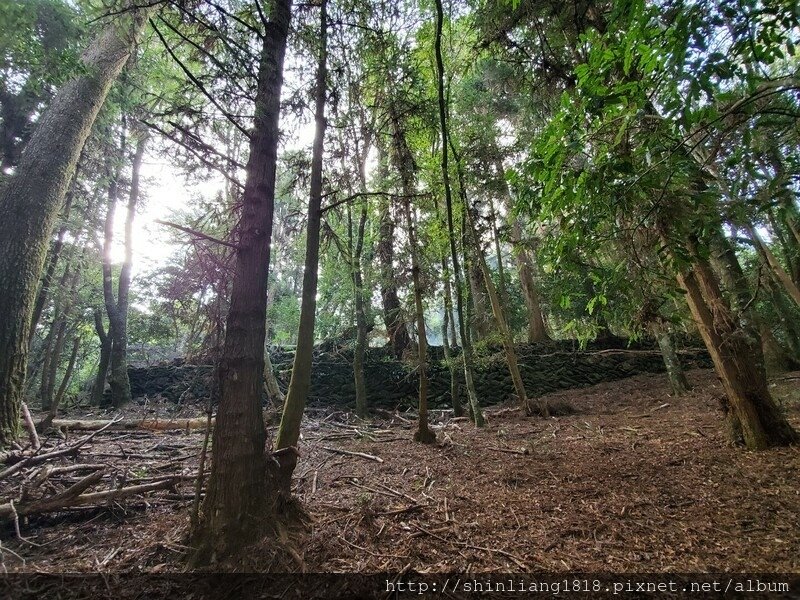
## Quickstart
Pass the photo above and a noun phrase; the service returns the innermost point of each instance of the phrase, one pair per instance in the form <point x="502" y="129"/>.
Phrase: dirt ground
<point x="634" y="481"/>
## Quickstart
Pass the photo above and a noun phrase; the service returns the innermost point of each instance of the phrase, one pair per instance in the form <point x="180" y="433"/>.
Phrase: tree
<point x="241" y="500"/>
<point x="31" y="199"/>
<point x="293" y="408"/>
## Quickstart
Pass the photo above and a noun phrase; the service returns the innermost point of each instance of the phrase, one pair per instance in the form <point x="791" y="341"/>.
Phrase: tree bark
<point x="99" y="386"/>
<point x="396" y="329"/>
<point x="240" y="501"/>
<point x="31" y="199"/>
<point x="300" y="383"/>
<point x="675" y="372"/>
<point x="361" y="317"/>
<point x="753" y="415"/>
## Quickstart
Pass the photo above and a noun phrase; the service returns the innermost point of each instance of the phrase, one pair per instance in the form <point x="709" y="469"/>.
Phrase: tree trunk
<point x="675" y="372"/>
<point x="497" y="308"/>
<point x="31" y="199"/>
<point x="300" y="383"/>
<point x="423" y="433"/>
<point x="396" y="329"/>
<point x="240" y="501"/>
<point x="52" y="258"/>
<point x="771" y="260"/>
<point x="118" y="310"/>
<point x="752" y="413"/>
<point x="455" y="391"/>
<point x="105" y="359"/>
<point x="481" y="320"/>
<point x="726" y="264"/>
<point x="62" y="389"/>
<point x="361" y="316"/>
<point x="537" y="331"/>
<point x="271" y="386"/>
<point x="466" y="343"/>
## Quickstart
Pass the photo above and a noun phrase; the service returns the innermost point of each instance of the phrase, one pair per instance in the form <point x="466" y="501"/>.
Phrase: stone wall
<point x="545" y="367"/>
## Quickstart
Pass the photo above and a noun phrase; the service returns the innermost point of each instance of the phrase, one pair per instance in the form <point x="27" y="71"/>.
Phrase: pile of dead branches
<point x="57" y="475"/>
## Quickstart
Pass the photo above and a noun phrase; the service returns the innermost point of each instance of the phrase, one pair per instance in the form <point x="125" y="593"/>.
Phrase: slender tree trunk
<point x="62" y="389"/>
<point x="447" y="326"/>
<point x="771" y="260"/>
<point x="361" y="316"/>
<point x="118" y="310"/>
<point x="675" y="372"/>
<point x="423" y="433"/>
<point x="105" y="359"/>
<point x="240" y="503"/>
<point x="497" y="308"/>
<point x="786" y="315"/>
<point x="271" y="386"/>
<point x="501" y="271"/>
<point x="467" y="353"/>
<point x="726" y="265"/>
<point x="753" y="416"/>
<point x="300" y="383"/>
<point x="31" y="199"/>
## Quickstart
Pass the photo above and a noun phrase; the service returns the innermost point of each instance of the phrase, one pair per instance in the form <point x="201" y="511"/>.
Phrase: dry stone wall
<point x="545" y="367"/>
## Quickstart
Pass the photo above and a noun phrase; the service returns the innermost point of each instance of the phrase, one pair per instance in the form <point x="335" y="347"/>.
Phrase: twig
<point x="508" y="450"/>
<point x="349" y="453"/>
<point x="199" y="234"/>
<point x="511" y="557"/>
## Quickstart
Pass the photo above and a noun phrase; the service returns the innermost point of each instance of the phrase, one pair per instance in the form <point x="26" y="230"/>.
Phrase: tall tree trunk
<point x="537" y="331"/>
<point x="466" y="343"/>
<point x="447" y="326"/>
<point x="300" y="383"/>
<point x="726" y="265"/>
<point x="31" y="199"/>
<point x="423" y="433"/>
<point x="396" y="329"/>
<point x="494" y="299"/>
<point x="52" y="413"/>
<point x="118" y="310"/>
<point x="240" y="501"/>
<point x="786" y="315"/>
<point x="361" y="315"/>
<point x="753" y="416"/>
<point x="404" y="162"/>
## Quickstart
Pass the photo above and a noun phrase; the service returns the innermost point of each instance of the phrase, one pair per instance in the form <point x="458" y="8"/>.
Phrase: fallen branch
<point x="509" y="450"/>
<point x="65" y="498"/>
<point x="349" y="453"/>
<point x="149" y="424"/>
<point x="73" y="496"/>
<point x="35" y="459"/>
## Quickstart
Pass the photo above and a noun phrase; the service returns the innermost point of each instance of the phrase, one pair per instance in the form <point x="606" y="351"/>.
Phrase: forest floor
<point x="634" y="481"/>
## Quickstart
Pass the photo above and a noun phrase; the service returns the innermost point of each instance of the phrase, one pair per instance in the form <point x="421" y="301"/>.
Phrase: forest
<point x="409" y="288"/>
